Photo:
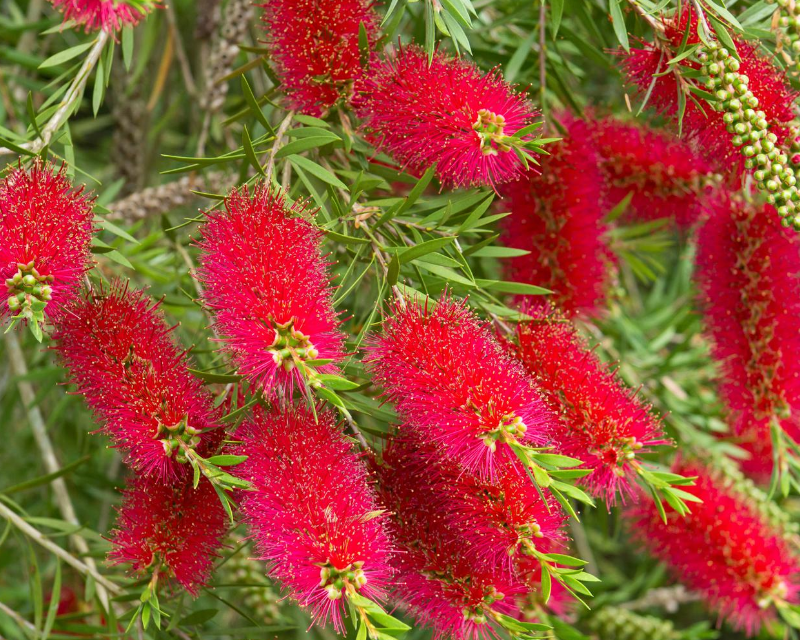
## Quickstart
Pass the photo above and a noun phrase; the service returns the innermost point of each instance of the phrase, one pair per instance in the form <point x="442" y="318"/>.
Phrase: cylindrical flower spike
<point x="665" y="176"/>
<point x="172" y="530"/>
<point x="601" y="421"/>
<point x="312" y="511"/>
<point x="314" y="45"/>
<point x="124" y="360"/>
<point x="106" y="15"/>
<point x="748" y="270"/>
<point x="446" y="113"/>
<point x="45" y="243"/>
<point x="724" y="549"/>
<point x="558" y="217"/>
<point x="458" y="594"/>
<point x="452" y="382"/>
<point x="268" y="286"/>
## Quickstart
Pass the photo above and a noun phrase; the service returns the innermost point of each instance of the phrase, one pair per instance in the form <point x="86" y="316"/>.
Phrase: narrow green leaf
<point x="317" y="171"/>
<point x="618" y="21"/>
<point x="66" y="55"/>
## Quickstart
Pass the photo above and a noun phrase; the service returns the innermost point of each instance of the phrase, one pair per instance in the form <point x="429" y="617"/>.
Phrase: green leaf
<point x="250" y="98"/>
<point x="393" y="271"/>
<point x="99" y="87"/>
<point x="216" y="378"/>
<point x="303" y="144"/>
<point x="66" y="55"/>
<point x="46" y="479"/>
<point x="127" y="46"/>
<point x="337" y="383"/>
<point x="568" y="561"/>
<point x="55" y="597"/>
<point x="226" y="460"/>
<point x="423" y="249"/>
<point x="618" y="22"/>
<point x="556" y="13"/>
<point x="249" y="152"/>
<point x="519" y="57"/>
<point x="317" y="171"/>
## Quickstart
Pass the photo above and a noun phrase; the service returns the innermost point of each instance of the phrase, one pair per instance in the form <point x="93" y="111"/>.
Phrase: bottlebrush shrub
<point x="267" y="284"/>
<point x="45" y="242"/>
<point x="601" y="422"/>
<point x="108" y="15"/>
<point x="748" y="271"/>
<point x="724" y="549"/>
<point x="458" y="594"/>
<point x="169" y="530"/>
<point x="452" y="382"/>
<point x="312" y="510"/>
<point x="665" y="176"/>
<point x="557" y="216"/>
<point x="449" y="114"/>
<point x="705" y="126"/>
<point x="315" y="50"/>
<point x="123" y="358"/>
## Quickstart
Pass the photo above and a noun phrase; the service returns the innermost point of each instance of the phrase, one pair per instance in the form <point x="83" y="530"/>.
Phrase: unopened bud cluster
<point x="790" y="36"/>
<point x="28" y="291"/>
<point x="478" y="615"/>
<point x="337" y="581"/>
<point x="509" y="428"/>
<point x="774" y="174"/>
<point x="176" y="438"/>
<point x="290" y="345"/>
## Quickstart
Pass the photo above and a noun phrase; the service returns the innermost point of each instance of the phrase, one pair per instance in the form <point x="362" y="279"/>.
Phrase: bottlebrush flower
<point x="45" y="242"/>
<point x="704" y="126"/>
<point x="108" y="15"/>
<point x="456" y="593"/>
<point x="122" y="357"/>
<point x="748" y="271"/>
<point x="446" y="112"/>
<point x="724" y="549"/>
<point x="312" y="510"/>
<point x="169" y="528"/>
<point x="450" y="379"/>
<point x="314" y="47"/>
<point x="268" y="286"/>
<point x="558" y="217"/>
<point x="664" y="174"/>
<point x="601" y="422"/>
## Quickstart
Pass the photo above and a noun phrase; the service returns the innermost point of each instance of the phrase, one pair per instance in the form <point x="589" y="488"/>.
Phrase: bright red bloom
<point x="602" y="422"/>
<point x="442" y="586"/>
<point x="45" y="241"/>
<point x="314" y="47"/>
<point x="704" y="126"/>
<point x="748" y="270"/>
<point x="724" y="549"/>
<point x="312" y="510"/>
<point x="667" y="178"/>
<point x="448" y="113"/>
<point x="452" y="382"/>
<point x="173" y="529"/>
<point x="268" y="286"/>
<point x="124" y="360"/>
<point x="558" y="217"/>
<point x="108" y="15"/>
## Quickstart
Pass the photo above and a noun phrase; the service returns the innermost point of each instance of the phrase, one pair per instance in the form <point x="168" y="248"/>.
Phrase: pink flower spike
<point x="170" y="528"/>
<point x="124" y="360"/>
<point x="315" y="50"/>
<point x="45" y="243"/>
<point x="312" y="510"/>
<point x="446" y="113"/>
<point x="268" y="286"/>
<point x="724" y="549"/>
<point x="452" y="382"/>
<point x="105" y="15"/>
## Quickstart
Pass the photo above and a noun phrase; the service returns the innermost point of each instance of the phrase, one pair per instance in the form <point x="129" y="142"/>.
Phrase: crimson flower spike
<point x="319" y="66"/>
<point x="123" y="358"/>
<point x="725" y="550"/>
<point x="748" y="271"/>
<point x="313" y="513"/>
<point x="106" y="15"/>
<point x="473" y="126"/>
<point x="45" y="244"/>
<point x="454" y="385"/>
<point x="267" y="283"/>
<point x="169" y="530"/>
<point x="557" y="217"/>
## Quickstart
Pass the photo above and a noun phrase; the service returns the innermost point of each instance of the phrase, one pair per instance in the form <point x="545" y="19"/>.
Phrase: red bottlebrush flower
<point x="724" y="549"/>
<point x="45" y="242"/>
<point x="446" y="112"/>
<point x="268" y="286"/>
<point x="664" y="174"/>
<point x="602" y="422"/>
<point x="314" y="46"/>
<point x="124" y="360"/>
<point x="108" y="15"/>
<point x="312" y="510"/>
<point x="453" y="383"/>
<point x="748" y="270"/>
<point x="173" y="529"/>
<point x="558" y="217"/>
<point x="454" y="592"/>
